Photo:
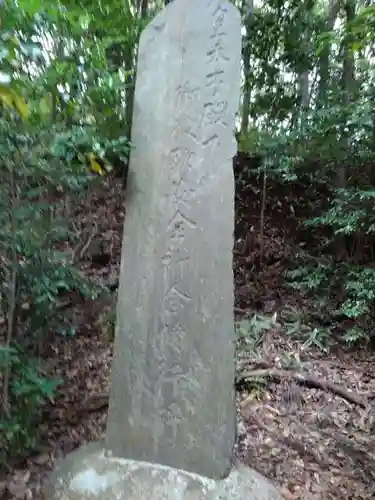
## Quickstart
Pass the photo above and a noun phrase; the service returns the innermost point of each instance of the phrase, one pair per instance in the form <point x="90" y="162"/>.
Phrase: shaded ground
<point x="313" y="443"/>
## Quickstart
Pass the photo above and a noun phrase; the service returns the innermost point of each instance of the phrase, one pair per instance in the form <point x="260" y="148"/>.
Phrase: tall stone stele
<point x="171" y="422"/>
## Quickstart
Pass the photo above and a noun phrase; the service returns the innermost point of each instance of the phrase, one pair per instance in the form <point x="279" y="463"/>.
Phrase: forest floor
<point x="306" y="409"/>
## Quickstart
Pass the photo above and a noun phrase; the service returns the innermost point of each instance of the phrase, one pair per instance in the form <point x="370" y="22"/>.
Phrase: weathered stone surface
<point x="88" y="474"/>
<point x="172" y="396"/>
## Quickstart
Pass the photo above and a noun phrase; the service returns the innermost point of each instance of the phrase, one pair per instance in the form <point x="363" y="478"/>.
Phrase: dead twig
<point x="309" y="381"/>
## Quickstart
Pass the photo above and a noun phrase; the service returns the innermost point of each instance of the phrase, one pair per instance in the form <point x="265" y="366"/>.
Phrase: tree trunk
<point x="324" y="74"/>
<point x="130" y="68"/>
<point x="304" y="89"/>
<point x="347" y="82"/>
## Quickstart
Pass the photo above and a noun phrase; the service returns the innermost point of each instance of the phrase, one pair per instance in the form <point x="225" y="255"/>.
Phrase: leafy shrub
<point x="29" y="389"/>
<point x="37" y="173"/>
<point x="62" y="115"/>
<point x="339" y="269"/>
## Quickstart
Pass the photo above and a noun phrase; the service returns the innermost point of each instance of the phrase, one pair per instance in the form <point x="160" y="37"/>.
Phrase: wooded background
<point x="306" y="143"/>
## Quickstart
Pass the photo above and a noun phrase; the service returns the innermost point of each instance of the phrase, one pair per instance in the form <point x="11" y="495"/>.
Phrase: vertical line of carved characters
<point x="179" y="162"/>
<point x="157" y="348"/>
<point x="185" y="193"/>
<point x="187" y="95"/>
<point x="173" y="261"/>
<point x="182" y="267"/>
<point x="169" y="413"/>
<point x="188" y="125"/>
<point x="214" y="80"/>
<point x="185" y="124"/>
<point x="176" y="230"/>
<point x="211" y="143"/>
<point x="172" y="269"/>
<point x="216" y="54"/>
<point x="187" y="163"/>
<point x="172" y="417"/>
<point x="180" y="219"/>
<point x="161" y="331"/>
<point x="177" y="270"/>
<point x="154" y="364"/>
<point x="165" y="265"/>
<point x="173" y="304"/>
<point x="219" y="16"/>
<point x="215" y="108"/>
<point x="174" y="405"/>
<point x="176" y="346"/>
<point x="187" y="109"/>
<point x="186" y="190"/>
<point x="188" y="386"/>
<point x="175" y="300"/>
<point x="175" y="237"/>
<point x="175" y="161"/>
<point x="214" y="113"/>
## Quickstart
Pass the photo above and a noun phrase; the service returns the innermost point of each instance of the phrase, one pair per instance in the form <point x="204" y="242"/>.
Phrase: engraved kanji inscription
<point x="217" y="54"/>
<point x="214" y="80"/>
<point x="172" y="397"/>
<point x="215" y="113"/>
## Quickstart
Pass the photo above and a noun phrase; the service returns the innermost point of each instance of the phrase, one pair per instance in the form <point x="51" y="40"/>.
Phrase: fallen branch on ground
<point x="308" y="381"/>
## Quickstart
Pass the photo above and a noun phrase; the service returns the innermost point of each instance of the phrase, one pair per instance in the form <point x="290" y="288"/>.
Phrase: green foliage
<point x="66" y="77"/>
<point x="28" y="391"/>
<point x="301" y="326"/>
<point x="35" y="274"/>
<point x="251" y="331"/>
<point x="321" y="137"/>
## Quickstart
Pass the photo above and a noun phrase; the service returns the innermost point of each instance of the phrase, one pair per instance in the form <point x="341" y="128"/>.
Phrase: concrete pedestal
<point x="88" y="474"/>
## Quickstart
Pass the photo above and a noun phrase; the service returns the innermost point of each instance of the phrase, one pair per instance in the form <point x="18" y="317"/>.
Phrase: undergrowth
<point x="336" y="268"/>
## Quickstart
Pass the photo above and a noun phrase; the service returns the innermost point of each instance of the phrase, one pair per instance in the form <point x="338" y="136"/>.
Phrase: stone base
<point x="87" y="474"/>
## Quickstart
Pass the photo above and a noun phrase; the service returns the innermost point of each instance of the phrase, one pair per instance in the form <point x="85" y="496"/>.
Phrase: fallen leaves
<point x="318" y="446"/>
<point x="309" y="442"/>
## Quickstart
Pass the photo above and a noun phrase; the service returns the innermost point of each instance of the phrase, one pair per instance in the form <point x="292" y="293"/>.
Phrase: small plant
<point x="355" y="336"/>
<point x="37" y="169"/>
<point x="251" y="331"/>
<point x="29" y="389"/>
<point x="318" y="337"/>
<point x="301" y="327"/>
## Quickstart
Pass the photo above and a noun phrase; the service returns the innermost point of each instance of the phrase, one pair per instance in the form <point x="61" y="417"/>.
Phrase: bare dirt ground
<point x="306" y="413"/>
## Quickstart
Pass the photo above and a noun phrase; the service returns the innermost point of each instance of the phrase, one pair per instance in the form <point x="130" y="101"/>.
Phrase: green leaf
<point x="31" y="7"/>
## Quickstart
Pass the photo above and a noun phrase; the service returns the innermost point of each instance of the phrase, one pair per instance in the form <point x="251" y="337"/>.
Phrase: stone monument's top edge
<point x="191" y="5"/>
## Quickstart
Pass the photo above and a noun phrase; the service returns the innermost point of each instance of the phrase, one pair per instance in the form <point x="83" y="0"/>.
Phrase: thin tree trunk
<point x="324" y="73"/>
<point x="304" y="89"/>
<point x="347" y="82"/>
<point x="130" y="68"/>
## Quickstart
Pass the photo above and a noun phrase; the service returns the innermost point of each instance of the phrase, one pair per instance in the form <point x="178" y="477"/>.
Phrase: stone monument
<point x="171" y="422"/>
